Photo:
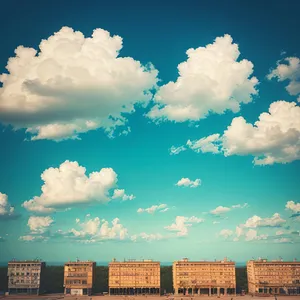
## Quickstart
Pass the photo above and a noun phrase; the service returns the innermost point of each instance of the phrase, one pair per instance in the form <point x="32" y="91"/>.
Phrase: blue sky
<point x="181" y="169"/>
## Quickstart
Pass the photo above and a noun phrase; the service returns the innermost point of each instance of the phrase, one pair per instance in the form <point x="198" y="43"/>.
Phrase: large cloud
<point x="274" y="138"/>
<point x="93" y="230"/>
<point x="212" y="80"/>
<point x="6" y="210"/>
<point x="72" y="84"/>
<point x="69" y="185"/>
<point x="39" y="224"/>
<point x="289" y="71"/>
<point x="256" y="221"/>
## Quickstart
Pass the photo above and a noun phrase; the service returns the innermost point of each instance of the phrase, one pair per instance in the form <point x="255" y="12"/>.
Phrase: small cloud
<point x="220" y="210"/>
<point x="7" y="211"/>
<point x="154" y="208"/>
<point x="182" y="223"/>
<point x="226" y="233"/>
<point x="120" y="193"/>
<point x="176" y="150"/>
<point x="189" y="183"/>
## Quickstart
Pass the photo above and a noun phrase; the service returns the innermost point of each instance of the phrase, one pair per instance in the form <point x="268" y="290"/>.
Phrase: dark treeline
<point x="54" y="278"/>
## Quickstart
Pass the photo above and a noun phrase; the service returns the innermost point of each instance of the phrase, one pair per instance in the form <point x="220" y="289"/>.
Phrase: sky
<point x="149" y="130"/>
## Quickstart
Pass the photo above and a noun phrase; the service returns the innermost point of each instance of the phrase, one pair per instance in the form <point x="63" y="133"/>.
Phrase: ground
<point x="60" y="296"/>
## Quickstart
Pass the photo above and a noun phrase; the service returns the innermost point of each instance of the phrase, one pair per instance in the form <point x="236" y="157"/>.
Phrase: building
<point x="25" y="277"/>
<point x="273" y="277"/>
<point x="134" y="277"/>
<point x="79" y="277"/>
<point x="204" y="277"/>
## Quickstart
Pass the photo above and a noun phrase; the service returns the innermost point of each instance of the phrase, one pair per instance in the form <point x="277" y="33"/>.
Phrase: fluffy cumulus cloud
<point x="39" y="224"/>
<point x="6" y="210"/>
<point x="73" y="84"/>
<point x="288" y="69"/>
<point x="93" y="230"/>
<point x="182" y="223"/>
<point x="220" y="210"/>
<point x="120" y="193"/>
<point x="211" y="80"/>
<point x="252" y="235"/>
<point x="294" y="207"/>
<point x="189" y="183"/>
<point x="154" y="208"/>
<point x="69" y="185"/>
<point x="274" y="138"/>
<point x="256" y="221"/>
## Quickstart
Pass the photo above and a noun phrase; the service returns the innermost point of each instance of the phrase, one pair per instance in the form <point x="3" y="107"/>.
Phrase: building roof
<point x="25" y="261"/>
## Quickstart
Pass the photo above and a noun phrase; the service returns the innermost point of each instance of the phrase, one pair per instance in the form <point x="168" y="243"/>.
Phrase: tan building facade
<point x="25" y="277"/>
<point x="273" y="277"/>
<point x="79" y="277"/>
<point x="204" y="277"/>
<point x="134" y="277"/>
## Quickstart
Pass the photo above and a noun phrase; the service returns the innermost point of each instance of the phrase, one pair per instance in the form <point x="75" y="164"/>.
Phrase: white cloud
<point x="98" y="230"/>
<point x="220" y="210"/>
<point x="216" y="222"/>
<point x="182" y="223"/>
<point x="147" y="237"/>
<point x="69" y="185"/>
<point x="176" y="150"/>
<point x="206" y="144"/>
<point x="72" y="85"/>
<point x="5" y="208"/>
<point x="251" y="235"/>
<point x="239" y="231"/>
<point x="256" y="221"/>
<point x="31" y="238"/>
<point x="189" y="183"/>
<point x="212" y="80"/>
<point x="283" y="240"/>
<point x="120" y="193"/>
<point x="274" y="138"/>
<point x="39" y="224"/>
<point x="240" y="205"/>
<point x="226" y="233"/>
<point x="154" y="208"/>
<point x="290" y="72"/>
<point x="295" y="207"/>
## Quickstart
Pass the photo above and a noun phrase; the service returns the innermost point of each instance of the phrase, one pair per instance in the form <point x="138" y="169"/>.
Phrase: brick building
<point x="134" y="277"/>
<point x="25" y="277"/>
<point x="273" y="277"/>
<point x="79" y="277"/>
<point x="204" y="277"/>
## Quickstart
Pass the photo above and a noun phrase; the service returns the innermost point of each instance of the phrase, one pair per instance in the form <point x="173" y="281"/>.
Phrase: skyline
<point x="169" y="139"/>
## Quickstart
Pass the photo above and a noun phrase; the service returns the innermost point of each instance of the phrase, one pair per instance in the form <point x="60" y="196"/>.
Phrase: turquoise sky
<point x="233" y="190"/>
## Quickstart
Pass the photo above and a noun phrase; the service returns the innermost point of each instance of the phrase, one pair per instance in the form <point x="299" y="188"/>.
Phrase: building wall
<point x="25" y="275"/>
<point x="79" y="275"/>
<point x="196" y="275"/>
<point x="273" y="277"/>
<point x="134" y="274"/>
